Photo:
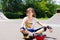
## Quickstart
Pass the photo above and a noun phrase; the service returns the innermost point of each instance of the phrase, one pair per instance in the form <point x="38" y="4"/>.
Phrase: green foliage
<point x="12" y="8"/>
<point x="13" y="15"/>
<point x="0" y="5"/>
<point x="58" y="6"/>
<point x="17" y="8"/>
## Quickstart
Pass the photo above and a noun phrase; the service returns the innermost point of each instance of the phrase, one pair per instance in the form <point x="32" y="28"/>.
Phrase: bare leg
<point x="40" y="31"/>
<point x="26" y="32"/>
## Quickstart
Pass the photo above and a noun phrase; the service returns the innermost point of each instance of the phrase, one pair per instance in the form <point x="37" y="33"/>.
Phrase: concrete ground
<point x="9" y="30"/>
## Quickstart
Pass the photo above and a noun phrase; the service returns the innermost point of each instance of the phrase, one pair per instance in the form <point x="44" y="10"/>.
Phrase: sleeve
<point x="23" y="22"/>
<point x="35" y="20"/>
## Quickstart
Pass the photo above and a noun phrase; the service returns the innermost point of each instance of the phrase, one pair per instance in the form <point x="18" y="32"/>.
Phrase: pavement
<point x="9" y="30"/>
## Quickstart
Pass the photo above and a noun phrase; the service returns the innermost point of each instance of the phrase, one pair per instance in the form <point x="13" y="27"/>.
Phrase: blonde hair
<point x="31" y="9"/>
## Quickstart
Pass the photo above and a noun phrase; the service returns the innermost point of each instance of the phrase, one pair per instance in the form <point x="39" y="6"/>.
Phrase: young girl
<point x="29" y="21"/>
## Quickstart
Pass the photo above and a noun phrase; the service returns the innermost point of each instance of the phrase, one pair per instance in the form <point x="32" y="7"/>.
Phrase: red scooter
<point x="42" y="37"/>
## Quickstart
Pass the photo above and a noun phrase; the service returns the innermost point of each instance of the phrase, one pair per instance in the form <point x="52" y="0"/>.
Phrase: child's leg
<point x="38" y="32"/>
<point x="26" y="32"/>
<point x="41" y="30"/>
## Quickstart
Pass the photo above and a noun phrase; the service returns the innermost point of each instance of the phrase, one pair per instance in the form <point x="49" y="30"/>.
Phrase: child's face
<point x="30" y="14"/>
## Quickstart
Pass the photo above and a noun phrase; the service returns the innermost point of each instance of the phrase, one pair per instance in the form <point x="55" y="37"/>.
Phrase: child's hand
<point x="50" y="30"/>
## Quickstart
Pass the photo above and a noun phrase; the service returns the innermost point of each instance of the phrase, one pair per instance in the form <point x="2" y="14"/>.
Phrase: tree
<point x="17" y="8"/>
<point x="12" y="8"/>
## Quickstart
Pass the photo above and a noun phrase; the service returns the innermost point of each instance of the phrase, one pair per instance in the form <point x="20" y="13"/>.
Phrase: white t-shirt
<point x="34" y="21"/>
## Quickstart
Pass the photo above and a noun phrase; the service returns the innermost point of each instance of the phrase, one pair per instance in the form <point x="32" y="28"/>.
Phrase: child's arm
<point x="44" y="25"/>
<point x="22" y="25"/>
<point x="40" y="23"/>
<point x="22" y="29"/>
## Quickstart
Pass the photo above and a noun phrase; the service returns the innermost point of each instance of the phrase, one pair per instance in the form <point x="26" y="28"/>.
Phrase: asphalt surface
<point x="9" y="30"/>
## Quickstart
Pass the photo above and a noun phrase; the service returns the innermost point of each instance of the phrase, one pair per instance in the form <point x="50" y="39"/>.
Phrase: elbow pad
<point x="22" y="28"/>
<point x="49" y="27"/>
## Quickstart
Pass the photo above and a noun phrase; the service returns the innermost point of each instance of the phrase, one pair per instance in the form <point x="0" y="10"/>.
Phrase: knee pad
<point x="45" y="28"/>
<point x="49" y="27"/>
<point x="33" y="34"/>
<point x="25" y="34"/>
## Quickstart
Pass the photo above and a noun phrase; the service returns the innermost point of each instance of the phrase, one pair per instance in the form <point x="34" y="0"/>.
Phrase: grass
<point x="40" y="18"/>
